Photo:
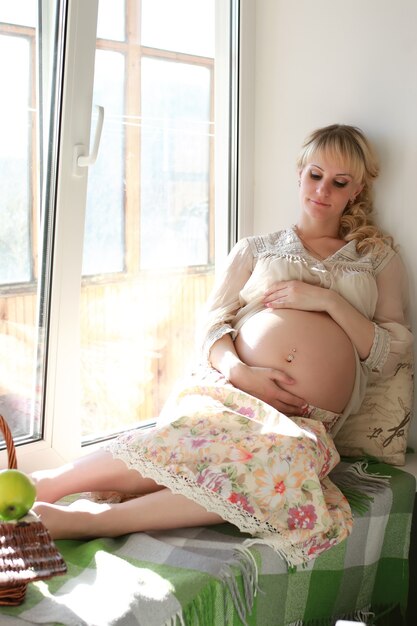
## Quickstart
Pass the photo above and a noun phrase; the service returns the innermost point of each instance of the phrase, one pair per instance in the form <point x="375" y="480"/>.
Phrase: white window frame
<point x="246" y="125"/>
<point x="240" y="98"/>
<point x="62" y="439"/>
<point x="61" y="424"/>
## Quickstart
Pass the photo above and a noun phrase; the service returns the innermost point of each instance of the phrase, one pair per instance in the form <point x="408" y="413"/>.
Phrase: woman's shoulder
<point x="379" y="256"/>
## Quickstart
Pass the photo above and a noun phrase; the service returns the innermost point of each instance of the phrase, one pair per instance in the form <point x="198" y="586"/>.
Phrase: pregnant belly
<point x="308" y="346"/>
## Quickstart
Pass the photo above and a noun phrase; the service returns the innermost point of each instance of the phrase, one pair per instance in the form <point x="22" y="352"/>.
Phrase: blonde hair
<point x="349" y="144"/>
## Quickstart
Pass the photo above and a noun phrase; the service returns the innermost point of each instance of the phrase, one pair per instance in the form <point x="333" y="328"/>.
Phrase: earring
<point x="299" y="182"/>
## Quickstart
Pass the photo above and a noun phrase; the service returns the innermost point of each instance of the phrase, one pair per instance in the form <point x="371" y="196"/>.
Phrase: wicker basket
<point x="27" y="552"/>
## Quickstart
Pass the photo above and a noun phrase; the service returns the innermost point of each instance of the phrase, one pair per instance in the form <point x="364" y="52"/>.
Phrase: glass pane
<point x="111" y="20"/>
<point x="22" y="12"/>
<point x="104" y="227"/>
<point x="25" y="207"/>
<point x="175" y="164"/>
<point x="180" y="25"/>
<point x="15" y="165"/>
<point x="138" y="325"/>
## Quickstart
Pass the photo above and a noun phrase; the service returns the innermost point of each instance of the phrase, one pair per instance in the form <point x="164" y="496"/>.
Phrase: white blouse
<point x="375" y="283"/>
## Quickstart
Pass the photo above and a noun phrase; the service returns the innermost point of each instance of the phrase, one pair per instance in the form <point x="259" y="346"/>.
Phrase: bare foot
<point x="75" y="521"/>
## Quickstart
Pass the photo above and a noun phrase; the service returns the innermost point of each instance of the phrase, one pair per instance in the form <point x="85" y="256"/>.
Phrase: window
<point x="113" y="262"/>
<point x="17" y="140"/>
<point x="149" y="243"/>
<point x="27" y="117"/>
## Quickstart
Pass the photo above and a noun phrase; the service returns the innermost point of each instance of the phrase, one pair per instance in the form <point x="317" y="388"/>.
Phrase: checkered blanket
<point x="205" y="577"/>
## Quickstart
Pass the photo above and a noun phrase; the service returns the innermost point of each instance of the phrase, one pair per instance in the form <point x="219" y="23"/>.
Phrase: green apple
<point x="17" y="494"/>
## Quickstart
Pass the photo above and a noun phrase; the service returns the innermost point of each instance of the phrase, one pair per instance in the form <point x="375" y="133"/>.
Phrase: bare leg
<point x="98" y="471"/>
<point x="159" y="510"/>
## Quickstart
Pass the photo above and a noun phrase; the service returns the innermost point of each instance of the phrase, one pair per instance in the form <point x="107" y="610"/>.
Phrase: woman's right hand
<point x="265" y="383"/>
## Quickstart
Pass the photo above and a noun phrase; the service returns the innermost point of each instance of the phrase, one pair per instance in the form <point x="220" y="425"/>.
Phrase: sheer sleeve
<point x="392" y="336"/>
<point x="225" y="301"/>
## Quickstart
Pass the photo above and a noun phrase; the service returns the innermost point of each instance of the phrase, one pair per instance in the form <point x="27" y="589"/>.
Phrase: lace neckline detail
<point x="347" y="246"/>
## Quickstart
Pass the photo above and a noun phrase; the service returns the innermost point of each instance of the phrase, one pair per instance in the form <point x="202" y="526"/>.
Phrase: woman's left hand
<point x="295" y="294"/>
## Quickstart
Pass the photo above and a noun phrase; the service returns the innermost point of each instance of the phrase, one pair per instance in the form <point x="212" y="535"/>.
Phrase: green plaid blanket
<point x="204" y="577"/>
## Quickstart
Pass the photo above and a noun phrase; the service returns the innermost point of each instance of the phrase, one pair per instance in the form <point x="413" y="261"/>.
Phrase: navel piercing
<point x="291" y="356"/>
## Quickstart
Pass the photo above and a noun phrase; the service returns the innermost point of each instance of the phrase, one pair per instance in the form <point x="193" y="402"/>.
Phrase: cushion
<point x="380" y="428"/>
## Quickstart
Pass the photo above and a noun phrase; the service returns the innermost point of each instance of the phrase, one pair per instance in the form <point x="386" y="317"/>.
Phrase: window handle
<point x="80" y="158"/>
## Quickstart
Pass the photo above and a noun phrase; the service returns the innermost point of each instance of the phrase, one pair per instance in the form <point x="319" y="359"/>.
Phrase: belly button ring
<point x="291" y="357"/>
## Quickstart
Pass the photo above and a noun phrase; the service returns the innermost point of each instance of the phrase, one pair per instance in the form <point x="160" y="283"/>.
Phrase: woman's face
<point x="326" y="186"/>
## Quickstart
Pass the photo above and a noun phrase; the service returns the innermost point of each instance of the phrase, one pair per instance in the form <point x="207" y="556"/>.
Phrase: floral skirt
<point x="255" y="467"/>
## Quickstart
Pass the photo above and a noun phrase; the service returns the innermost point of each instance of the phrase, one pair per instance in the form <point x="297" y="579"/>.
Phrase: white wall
<point x="318" y="62"/>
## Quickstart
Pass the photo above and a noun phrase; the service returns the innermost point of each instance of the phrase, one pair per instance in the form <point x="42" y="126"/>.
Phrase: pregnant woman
<point x="293" y="329"/>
